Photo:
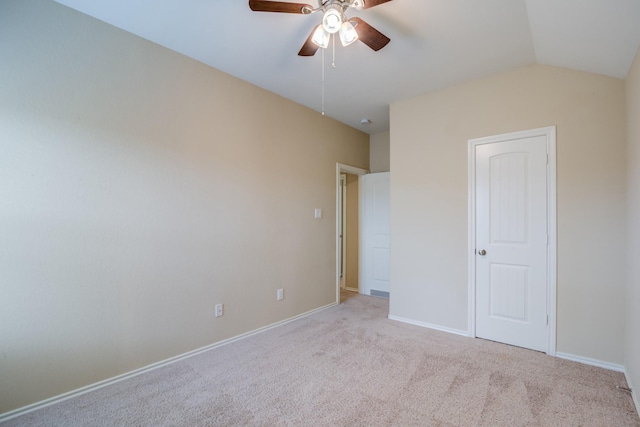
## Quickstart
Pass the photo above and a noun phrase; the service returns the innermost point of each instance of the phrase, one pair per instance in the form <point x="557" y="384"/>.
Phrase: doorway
<point x="348" y="202"/>
<point x="512" y="239"/>
<point x="348" y="232"/>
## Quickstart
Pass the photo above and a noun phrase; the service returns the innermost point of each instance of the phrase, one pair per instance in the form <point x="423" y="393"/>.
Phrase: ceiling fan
<point x="334" y="21"/>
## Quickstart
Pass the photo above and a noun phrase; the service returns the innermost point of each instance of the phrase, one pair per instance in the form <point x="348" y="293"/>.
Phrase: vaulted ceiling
<point x="434" y="44"/>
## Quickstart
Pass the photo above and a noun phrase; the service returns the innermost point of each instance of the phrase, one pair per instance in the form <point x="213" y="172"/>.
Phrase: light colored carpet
<point x="351" y="366"/>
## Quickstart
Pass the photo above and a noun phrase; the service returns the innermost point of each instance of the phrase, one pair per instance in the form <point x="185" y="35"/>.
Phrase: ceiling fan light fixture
<point x="321" y="37"/>
<point x="348" y="33"/>
<point x="332" y="20"/>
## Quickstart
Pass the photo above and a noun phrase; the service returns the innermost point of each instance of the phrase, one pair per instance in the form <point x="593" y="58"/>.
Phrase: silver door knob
<point x="482" y="252"/>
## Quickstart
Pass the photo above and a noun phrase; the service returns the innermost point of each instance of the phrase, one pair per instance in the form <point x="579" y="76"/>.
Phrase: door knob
<point x="482" y="252"/>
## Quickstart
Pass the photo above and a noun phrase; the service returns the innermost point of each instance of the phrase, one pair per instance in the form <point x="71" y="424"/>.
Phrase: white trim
<point x="552" y="233"/>
<point x="471" y="240"/>
<point x="634" y="395"/>
<point x="361" y="272"/>
<point x="550" y="134"/>
<point x="342" y="168"/>
<point x="430" y="326"/>
<point x="350" y="169"/>
<point x="92" y="387"/>
<point x="592" y="362"/>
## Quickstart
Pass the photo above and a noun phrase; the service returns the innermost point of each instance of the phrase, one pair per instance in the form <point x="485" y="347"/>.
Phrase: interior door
<point x="375" y="233"/>
<point x="512" y="242"/>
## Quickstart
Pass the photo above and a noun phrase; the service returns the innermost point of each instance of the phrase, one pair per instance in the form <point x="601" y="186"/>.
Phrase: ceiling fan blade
<point x="372" y="3"/>
<point x="279" y="6"/>
<point x="309" y="48"/>
<point x="369" y="35"/>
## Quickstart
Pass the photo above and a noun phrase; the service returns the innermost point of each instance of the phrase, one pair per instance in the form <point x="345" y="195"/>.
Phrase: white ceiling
<point x="434" y="44"/>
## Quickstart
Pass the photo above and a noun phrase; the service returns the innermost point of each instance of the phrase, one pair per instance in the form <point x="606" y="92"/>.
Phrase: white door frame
<point x="550" y="134"/>
<point x="342" y="168"/>
<point x="342" y="230"/>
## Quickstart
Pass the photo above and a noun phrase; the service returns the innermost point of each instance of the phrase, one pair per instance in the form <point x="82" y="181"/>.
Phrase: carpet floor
<point x="351" y="366"/>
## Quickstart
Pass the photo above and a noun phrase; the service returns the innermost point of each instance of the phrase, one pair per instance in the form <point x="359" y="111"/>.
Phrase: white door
<point x="511" y="242"/>
<point x="375" y="198"/>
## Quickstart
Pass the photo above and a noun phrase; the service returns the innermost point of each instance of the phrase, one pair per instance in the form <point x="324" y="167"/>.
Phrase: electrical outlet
<point x="280" y="294"/>
<point x="219" y="310"/>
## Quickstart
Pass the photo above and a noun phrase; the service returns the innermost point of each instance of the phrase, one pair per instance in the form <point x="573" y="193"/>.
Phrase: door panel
<point x="511" y="226"/>
<point x="509" y="292"/>
<point x="509" y="197"/>
<point x="375" y="226"/>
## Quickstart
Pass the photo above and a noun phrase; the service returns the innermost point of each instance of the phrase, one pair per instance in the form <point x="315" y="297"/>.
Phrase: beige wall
<point x="632" y="348"/>
<point x="352" y="237"/>
<point x="429" y="137"/>
<point x="379" y="160"/>
<point x="139" y="188"/>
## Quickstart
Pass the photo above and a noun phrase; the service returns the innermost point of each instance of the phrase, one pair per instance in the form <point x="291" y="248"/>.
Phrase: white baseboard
<point x="351" y="289"/>
<point x="634" y="392"/>
<point x="592" y="362"/>
<point x="574" y="358"/>
<point x="92" y="387"/>
<point x="430" y="326"/>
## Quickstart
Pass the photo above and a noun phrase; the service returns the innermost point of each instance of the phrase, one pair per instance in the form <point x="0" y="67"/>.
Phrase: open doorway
<point x="348" y="232"/>
<point x="347" y="228"/>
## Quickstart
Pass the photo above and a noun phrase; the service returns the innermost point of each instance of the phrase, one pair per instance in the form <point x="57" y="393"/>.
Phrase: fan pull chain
<point x="322" y="82"/>
<point x="333" y="38"/>
<point x="333" y="64"/>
